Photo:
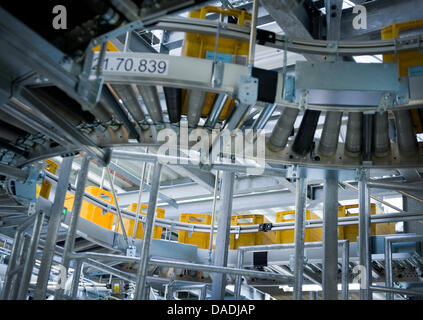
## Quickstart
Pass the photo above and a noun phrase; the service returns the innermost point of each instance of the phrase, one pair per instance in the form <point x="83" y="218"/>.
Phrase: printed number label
<point x="133" y="65"/>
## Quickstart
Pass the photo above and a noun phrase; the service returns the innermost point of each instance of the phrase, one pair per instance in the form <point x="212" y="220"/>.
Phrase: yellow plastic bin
<point x="228" y="50"/>
<point x="92" y="212"/>
<point x="405" y="59"/>
<point x="246" y="239"/>
<point x="200" y="239"/>
<point x="129" y="223"/>
<point x="287" y="236"/>
<point x="351" y="232"/>
<point x="43" y="190"/>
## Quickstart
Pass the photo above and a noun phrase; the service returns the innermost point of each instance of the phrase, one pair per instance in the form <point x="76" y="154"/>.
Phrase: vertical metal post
<point x="22" y="258"/>
<point x="364" y="235"/>
<point x="222" y="237"/>
<point x="388" y="268"/>
<point x="73" y="222"/>
<point x="300" y="210"/>
<point x="30" y="259"/>
<point x="330" y="238"/>
<point x="75" y="279"/>
<point x="125" y="236"/>
<point x="53" y="228"/>
<point x="139" y="207"/>
<point x="140" y="287"/>
<point x="216" y="184"/>
<point x="17" y="242"/>
<point x="253" y="33"/>
<point x="238" y="278"/>
<point x="345" y="268"/>
<point x="203" y="293"/>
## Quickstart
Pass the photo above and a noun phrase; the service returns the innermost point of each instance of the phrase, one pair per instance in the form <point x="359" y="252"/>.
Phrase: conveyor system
<point x="332" y="120"/>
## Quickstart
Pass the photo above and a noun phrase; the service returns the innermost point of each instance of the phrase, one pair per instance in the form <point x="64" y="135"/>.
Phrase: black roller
<point x="367" y="137"/>
<point x="304" y="138"/>
<point x="173" y="103"/>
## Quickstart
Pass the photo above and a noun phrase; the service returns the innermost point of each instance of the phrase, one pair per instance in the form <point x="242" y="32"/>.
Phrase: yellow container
<point x="129" y="223"/>
<point x="405" y="59"/>
<point x="287" y="236"/>
<point x="351" y="232"/>
<point x="92" y="212"/>
<point x="44" y="189"/>
<point x="200" y="46"/>
<point x="246" y="239"/>
<point x="200" y="239"/>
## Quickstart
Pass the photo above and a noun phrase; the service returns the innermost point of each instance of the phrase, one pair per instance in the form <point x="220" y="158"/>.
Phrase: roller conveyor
<point x="330" y="134"/>
<point x="283" y="129"/>
<point x="151" y="100"/>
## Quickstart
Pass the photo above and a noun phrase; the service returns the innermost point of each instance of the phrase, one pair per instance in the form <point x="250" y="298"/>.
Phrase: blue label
<point x="224" y="57"/>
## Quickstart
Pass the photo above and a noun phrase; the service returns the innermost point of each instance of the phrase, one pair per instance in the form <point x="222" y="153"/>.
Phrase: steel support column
<point x="30" y="259"/>
<point x="75" y="279"/>
<point x="73" y="223"/>
<point x="140" y="287"/>
<point x="53" y="228"/>
<point x="222" y="236"/>
<point x="364" y="237"/>
<point x="300" y="210"/>
<point x="330" y="238"/>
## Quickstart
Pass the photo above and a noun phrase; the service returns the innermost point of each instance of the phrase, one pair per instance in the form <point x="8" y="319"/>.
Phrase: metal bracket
<point x="248" y="90"/>
<point x="191" y="232"/>
<point x="385" y="102"/>
<point x="131" y="251"/>
<point x="217" y="74"/>
<point x="31" y="208"/>
<point x="360" y="174"/>
<point x="302" y="104"/>
<point x="238" y="232"/>
<point x="265" y="227"/>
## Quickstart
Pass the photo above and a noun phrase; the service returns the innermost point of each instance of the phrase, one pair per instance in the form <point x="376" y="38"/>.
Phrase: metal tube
<point x="75" y="279"/>
<point x="345" y="267"/>
<point x="16" y="282"/>
<point x="373" y="197"/>
<point x="214" y="114"/>
<point x="30" y="259"/>
<point x="300" y="211"/>
<point x="381" y="134"/>
<point x="110" y="270"/>
<point x="330" y="238"/>
<point x="173" y="98"/>
<point x="130" y="100"/>
<point x="397" y="290"/>
<point x="253" y="34"/>
<point x="264" y="116"/>
<point x="139" y="207"/>
<point x="216" y="184"/>
<point x="73" y="223"/>
<point x="388" y="268"/>
<point x="152" y="102"/>
<point x="364" y="237"/>
<point x="353" y="140"/>
<point x="184" y="265"/>
<point x="406" y="137"/>
<point x="396" y="186"/>
<point x="125" y="236"/>
<point x="283" y="129"/>
<point x="13" y="172"/>
<point x="53" y="228"/>
<point x="195" y="106"/>
<point x="330" y="134"/>
<point x="222" y="237"/>
<point x="239" y="264"/>
<point x="140" y="287"/>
